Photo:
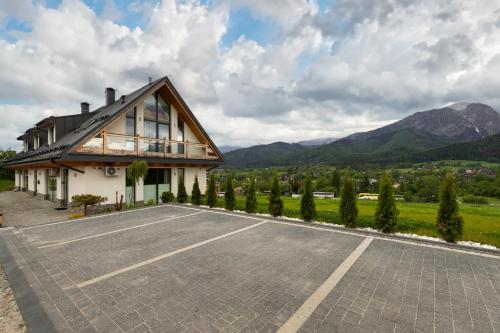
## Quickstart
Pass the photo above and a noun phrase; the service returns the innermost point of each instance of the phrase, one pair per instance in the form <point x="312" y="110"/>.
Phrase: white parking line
<point x="163" y="256"/>
<point x="352" y="233"/>
<point x="295" y="322"/>
<point x="118" y="230"/>
<point x="95" y="217"/>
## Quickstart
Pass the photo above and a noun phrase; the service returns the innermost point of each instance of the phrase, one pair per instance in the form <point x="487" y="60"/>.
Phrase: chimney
<point x="150" y="79"/>
<point x="85" y="107"/>
<point x="110" y="96"/>
<point x="123" y="99"/>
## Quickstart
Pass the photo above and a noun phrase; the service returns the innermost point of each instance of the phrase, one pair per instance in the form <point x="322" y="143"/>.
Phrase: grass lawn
<point x="481" y="222"/>
<point x="6" y="184"/>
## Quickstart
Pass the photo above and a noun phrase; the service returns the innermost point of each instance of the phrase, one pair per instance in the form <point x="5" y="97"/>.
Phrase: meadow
<point x="481" y="222"/>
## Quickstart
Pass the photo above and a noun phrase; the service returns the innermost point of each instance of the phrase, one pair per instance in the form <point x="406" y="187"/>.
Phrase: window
<point x="36" y="141"/>
<point x="51" y="134"/>
<point x="163" y="110"/>
<point x="130" y="123"/>
<point x="180" y="137"/>
<point x="156" y="122"/>
<point x="150" y="108"/>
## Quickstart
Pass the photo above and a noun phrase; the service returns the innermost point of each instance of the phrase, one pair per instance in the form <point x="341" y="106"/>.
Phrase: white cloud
<point x="354" y="68"/>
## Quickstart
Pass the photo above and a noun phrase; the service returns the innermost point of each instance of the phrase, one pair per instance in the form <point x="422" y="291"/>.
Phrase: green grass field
<point x="6" y="184"/>
<point x="481" y="222"/>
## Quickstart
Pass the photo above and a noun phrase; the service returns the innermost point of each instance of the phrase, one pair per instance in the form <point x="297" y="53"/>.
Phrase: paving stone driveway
<point x="178" y="269"/>
<point x="23" y="210"/>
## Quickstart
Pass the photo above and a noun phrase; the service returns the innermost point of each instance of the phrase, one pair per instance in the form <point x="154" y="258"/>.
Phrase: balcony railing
<point x="118" y="144"/>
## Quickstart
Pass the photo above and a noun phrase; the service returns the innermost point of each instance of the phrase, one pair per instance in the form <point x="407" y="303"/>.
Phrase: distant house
<point x="89" y="152"/>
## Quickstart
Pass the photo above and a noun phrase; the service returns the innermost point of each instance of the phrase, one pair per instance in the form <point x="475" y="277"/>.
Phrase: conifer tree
<point x="196" y="193"/>
<point x="336" y="181"/>
<point x="449" y="223"/>
<point x="348" y="210"/>
<point x="307" y="204"/>
<point x="386" y="214"/>
<point x="211" y="193"/>
<point x="275" y="202"/>
<point x="251" y="198"/>
<point x="229" y="194"/>
<point x="182" y="196"/>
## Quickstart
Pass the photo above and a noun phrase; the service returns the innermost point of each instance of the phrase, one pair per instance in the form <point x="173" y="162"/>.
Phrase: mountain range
<point x="407" y="139"/>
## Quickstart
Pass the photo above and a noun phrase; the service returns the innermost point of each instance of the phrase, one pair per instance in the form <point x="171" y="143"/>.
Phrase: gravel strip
<point x="10" y="317"/>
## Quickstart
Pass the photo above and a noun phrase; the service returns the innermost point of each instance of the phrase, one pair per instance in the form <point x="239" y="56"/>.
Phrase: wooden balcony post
<point x="164" y="147"/>
<point x="186" y="150"/>
<point x="206" y="151"/>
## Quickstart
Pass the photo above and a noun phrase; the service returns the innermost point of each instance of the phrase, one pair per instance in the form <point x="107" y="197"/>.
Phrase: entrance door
<point x="64" y="187"/>
<point x="35" y="182"/>
<point x="26" y="180"/>
<point x="52" y="184"/>
<point x="156" y="182"/>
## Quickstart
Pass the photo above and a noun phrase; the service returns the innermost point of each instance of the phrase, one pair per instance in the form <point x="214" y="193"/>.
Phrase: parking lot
<point x="183" y="269"/>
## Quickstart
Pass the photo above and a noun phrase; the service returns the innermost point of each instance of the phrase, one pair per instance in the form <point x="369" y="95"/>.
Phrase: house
<point x="89" y="152"/>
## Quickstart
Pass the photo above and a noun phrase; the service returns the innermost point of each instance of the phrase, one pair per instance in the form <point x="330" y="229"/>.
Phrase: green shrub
<point x="196" y="193"/>
<point x="167" y="196"/>
<point x="449" y="223"/>
<point x="386" y="213"/>
<point x="182" y="196"/>
<point x="307" y="204"/>
<point x="475" y="200"/>
<point x="275" y="202"/>
<point x="211" y="193"/>
<point x="150" y="202"/>
<point x="348" y="210"/>
<point x="229" y="198"/>
<point x="251" y="198"/>
<point x="87" y="200"/>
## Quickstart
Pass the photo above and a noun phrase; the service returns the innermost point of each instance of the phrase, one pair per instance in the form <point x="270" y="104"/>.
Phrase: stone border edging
<point x="361" y="232"/>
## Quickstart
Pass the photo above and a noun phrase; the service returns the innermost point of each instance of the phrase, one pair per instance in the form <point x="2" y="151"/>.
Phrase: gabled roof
<point x="103" y="116"/>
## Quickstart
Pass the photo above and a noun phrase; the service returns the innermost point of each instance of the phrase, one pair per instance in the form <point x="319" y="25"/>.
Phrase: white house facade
<point x="88" y="153"/>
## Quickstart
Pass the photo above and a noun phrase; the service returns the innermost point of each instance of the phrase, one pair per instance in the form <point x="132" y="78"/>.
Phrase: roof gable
<point x="105" y="115"/>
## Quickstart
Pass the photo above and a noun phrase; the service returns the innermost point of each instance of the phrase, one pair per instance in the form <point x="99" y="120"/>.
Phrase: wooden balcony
<point x="118" y="144"/>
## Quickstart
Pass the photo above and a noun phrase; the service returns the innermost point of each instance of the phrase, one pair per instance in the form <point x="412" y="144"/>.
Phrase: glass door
<point x="156" y="182"/>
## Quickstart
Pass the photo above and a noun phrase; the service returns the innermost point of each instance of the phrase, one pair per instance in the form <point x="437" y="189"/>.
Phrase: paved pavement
<point x="180" y="269"/>
<point x="21" y="209"/>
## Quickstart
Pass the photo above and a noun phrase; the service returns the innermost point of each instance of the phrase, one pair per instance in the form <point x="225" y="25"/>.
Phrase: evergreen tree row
<point x="449" y="223"/>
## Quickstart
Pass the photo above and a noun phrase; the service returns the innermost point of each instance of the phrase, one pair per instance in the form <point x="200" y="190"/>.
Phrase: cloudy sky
<point x="253" y="71"/>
